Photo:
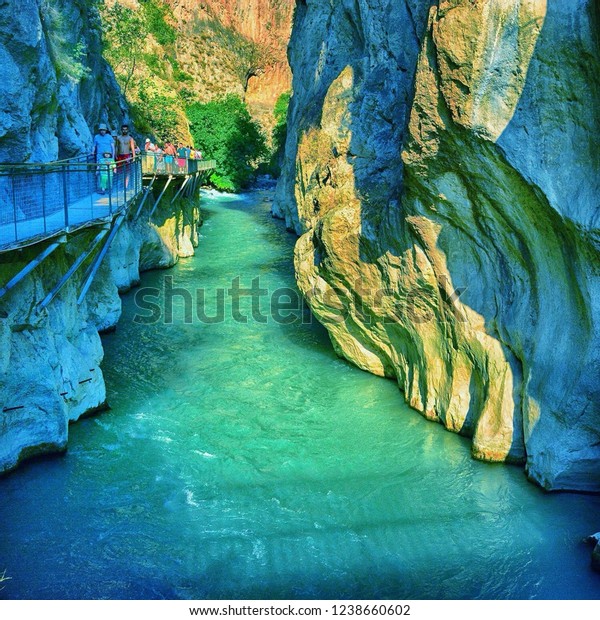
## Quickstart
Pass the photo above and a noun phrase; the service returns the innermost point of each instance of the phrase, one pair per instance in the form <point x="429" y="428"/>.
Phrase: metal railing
<point x="40" y="199"/>
<point x="163" y="164"/>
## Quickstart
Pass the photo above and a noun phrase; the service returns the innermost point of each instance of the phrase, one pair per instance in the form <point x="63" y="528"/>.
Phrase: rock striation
<point x="442" y="172"/>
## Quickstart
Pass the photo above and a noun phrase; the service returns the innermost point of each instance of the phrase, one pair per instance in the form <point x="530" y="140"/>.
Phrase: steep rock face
<point x="54" y="83"/>
<point x="443" y="173"/>
<point x="255" y="66"/>
<point x="50" y="371"/>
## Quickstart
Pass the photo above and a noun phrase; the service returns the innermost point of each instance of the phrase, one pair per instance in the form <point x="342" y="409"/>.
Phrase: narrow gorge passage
<point x="245" y="460"/>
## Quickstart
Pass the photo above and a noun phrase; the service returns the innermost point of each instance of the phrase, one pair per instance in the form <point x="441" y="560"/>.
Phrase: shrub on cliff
<point x="67" y="56"/>
<point x="158" y="16"/>
<point x="224" y="131"/>
<point x="156" y="114"/>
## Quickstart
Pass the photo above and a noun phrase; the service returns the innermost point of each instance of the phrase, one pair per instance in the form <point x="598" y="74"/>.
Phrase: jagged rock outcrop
<point x="54" y="84"/>
<point x="50" y="371"/>
<point x="442" y="170"/>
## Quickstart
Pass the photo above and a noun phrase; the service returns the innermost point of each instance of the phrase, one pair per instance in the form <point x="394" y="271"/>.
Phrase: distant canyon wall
<point x="443" y="172"/>
<point x="221" y="64"/>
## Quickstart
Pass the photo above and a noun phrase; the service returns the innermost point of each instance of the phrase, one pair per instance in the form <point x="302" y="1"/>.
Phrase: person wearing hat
<point x="103" y="143"/>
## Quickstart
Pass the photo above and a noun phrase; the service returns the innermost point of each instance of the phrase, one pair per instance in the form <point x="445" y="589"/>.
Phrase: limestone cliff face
<point x="54" y="83"/>
<point x="237" y="46"/>
<point x="55" y="88"/>
<point x="442" y="170"/>
<point x="50" y="371"/>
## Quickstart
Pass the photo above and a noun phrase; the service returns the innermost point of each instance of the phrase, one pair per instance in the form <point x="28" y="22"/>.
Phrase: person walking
<point x="170" y="154"/>
<point x="105" y="172"/>
<point x="125" y="145"/>
<point x="125" y="151"/>
<point x="182" y="158"/>
<point x="103" y="143"/>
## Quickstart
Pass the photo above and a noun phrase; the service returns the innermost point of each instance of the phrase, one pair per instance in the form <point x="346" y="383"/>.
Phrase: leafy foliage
<point x="155" y="12"/>
<point x="223" y="130"/>
<point x="123" y="29"/>
<point x="156" y="113"/>
<point x="280" y="113"/>
<point x="68" y="59"/>
<point x="279" y="135"/>
<point x="156" y="108"/>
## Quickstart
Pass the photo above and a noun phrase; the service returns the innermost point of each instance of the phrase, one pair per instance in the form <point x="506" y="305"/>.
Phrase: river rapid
<point x="243" y="459"/>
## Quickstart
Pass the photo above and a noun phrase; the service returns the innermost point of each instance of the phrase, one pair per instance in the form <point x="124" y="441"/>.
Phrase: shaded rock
<point x="55" y="85"/>
<point x="594" y="540"/>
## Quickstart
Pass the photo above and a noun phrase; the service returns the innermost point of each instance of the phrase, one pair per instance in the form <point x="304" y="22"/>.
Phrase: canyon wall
<point x="442" y="171"/>
<point x="236" y="46"/>
<point x="55" y="86"/>
<point x="197" y="51"/>
<point x="50" y="372"/>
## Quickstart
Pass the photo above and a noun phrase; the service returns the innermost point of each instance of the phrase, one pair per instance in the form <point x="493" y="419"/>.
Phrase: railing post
<point x="112" y="182"/>
<point x="91" y="186"/>
<point x="43" y="197"/>
<point x="65" y="195"/>
<point x="12" y="184"/>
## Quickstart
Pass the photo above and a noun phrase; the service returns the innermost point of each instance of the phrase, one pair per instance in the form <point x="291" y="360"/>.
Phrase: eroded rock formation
<point x="237" y="46"/>
<point x="54" y="84"/>
<point x="442" y="170"/>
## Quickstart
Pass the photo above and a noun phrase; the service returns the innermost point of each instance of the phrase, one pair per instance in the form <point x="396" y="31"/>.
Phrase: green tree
<point x="123" y="30"/>
<point x="156" y="113"/>
<point x="224" y="131"/>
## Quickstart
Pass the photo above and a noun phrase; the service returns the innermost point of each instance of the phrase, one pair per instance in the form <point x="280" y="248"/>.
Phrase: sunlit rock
<point x="442" y="171"/>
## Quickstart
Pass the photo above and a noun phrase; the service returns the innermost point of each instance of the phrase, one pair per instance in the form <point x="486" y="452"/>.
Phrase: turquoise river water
<point x="245" y="460"/>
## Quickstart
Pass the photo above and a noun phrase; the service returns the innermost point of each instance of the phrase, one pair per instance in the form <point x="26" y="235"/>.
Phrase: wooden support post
<point x="31" y="265"/>
<point x="95" y="265"/>
<point x="161" y="195"/>
<point x="72" y="269"/>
